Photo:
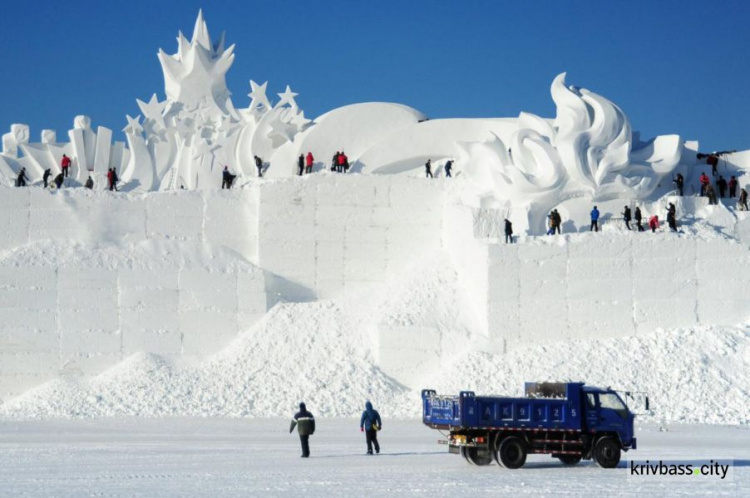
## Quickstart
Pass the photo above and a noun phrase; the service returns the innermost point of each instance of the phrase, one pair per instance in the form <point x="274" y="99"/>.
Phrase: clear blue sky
<point x="672" y="66"/>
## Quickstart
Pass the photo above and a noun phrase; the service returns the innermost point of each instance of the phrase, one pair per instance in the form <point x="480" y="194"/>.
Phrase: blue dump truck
<point x="570" y="421"/>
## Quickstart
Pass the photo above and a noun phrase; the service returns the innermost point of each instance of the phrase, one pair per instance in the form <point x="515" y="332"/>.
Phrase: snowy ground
<point x="257" y="457"/>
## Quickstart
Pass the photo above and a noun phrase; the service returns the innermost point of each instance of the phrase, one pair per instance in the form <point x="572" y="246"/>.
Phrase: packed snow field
<point x="241" y="457"/>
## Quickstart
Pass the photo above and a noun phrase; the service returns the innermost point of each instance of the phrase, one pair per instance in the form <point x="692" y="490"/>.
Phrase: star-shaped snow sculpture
<point x="287" y="98"/>
<point x="282" y="129"/>
<point x="153" y="109"/>
<point x="134" y="125"/>
<point x="300" y="120"/>
<point x="258" y="95"/>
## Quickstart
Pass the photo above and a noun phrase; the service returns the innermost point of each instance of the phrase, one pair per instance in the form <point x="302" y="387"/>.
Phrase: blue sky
<point x="672" y="66"/>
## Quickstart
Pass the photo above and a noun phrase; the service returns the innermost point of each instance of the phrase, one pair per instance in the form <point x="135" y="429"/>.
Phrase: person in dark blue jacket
<point x="305" y="423"/>
<point x="370" y="424"/>
<point x="595" y="219"/>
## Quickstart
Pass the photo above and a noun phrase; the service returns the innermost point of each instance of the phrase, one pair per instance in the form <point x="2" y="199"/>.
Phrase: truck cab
<point x="606" y="413"/>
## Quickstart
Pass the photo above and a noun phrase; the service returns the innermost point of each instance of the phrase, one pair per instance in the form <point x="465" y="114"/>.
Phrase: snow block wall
<point x="329" y="235"/>
<point x="613" y="287"/>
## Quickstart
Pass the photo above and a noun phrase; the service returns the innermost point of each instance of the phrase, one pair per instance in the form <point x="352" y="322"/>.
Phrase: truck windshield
<point x="613" y="402"/>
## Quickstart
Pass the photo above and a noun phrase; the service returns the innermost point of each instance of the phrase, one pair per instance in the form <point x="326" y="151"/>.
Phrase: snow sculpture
<point x="185" y="141"/>
<point x="588" y="150"/>
<point x="92" y="153"/>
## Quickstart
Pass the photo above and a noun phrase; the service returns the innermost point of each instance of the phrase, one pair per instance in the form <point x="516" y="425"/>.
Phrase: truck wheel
<point x="569" y="459"/>
<point x="511" y="453"/>
<point x="475" y="457"/>
<point x="606" y="453"/>
<point x="465" y="453"/>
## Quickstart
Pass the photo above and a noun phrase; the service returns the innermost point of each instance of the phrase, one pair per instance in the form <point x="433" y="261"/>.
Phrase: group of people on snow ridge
<point x="65" y="164"/>
<point x="428" y="168"/>
<point x="369" y="423"/>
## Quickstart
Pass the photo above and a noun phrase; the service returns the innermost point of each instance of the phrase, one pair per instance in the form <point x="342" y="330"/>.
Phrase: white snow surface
<point x="240" y="457"/>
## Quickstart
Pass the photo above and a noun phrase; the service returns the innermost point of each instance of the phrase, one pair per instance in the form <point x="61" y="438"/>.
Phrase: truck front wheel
<point x="606" y="453"/>
<point x="511" y="453"/>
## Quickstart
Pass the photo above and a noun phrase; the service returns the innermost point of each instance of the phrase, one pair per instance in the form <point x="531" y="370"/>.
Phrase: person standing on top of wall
<point x="21" y="179"/>
<point x="732" y="187"/>
<point x="595" y="219"/>
<point x="305" y="422"/>
<point x="679" y="181"/>
<point x="672" y="217"/>
<point x="627" y="216"/>
<point x="46" y="175"/>
<point x="721" y="184"/>
<point x="309" y="162"/>
<point x="259" y="166"/>
<point x="508" y="231"/>
<point x="448" y="168"/>
<point x="705" y="182"/>
<point x="370" y="424"/>
<point x="227" y="178"/>
<point x="638" y="218"/>
<point x="344" y="162"/>
<point x="300" y="164"/>
<point x="743" y="200"/>
<point x="428" y="169"/>
<point x="65" y="164"/>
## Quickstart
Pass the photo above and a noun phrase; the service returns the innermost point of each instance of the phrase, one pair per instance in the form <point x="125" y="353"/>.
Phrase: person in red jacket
<point x="65" y="164"/>
<point x="705" y="182"/>
<point x="342" y="166"/>
<point x="653" y="223"/>
<point x="309" y="162"/>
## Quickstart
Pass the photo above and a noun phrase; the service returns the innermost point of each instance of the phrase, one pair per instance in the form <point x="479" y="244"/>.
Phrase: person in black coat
<point x="448" y="168"/>
<point x="428" y="168"/>
<point x="370" y="424"/>
<point x="508" y="231"/>
<point x="46" y="175"/>
<point x="59" y="181"/>
<point x="301" y="164"/>
<point x="627" y="216"/>
<point x="305" y="422"/>
<point x="638" y="219"/>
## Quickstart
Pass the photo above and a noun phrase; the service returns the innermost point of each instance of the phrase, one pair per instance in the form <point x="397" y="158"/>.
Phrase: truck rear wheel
<point x="476" y="457"/>
<point x="511" y="453"/>
<point x="569" y="459"/>
<point x="606" y="453"/>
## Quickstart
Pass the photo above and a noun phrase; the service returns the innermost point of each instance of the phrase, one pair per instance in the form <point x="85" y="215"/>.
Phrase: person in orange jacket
<point x="309" y="162"/>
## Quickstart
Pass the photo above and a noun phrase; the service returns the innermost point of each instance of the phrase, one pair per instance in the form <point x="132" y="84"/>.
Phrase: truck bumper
<point x="454" y="449"/>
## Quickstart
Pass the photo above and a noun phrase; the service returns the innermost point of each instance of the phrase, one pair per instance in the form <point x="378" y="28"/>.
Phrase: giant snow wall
<point x="88" y="278"/>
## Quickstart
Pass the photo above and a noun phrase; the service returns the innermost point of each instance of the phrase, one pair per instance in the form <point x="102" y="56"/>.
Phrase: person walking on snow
<point x="595" y="219"/>
<point x="428" y="168"/>
<point x="65" y="164"/>
<point x="370" y="424"/>
<point x="259" y="166"/>
<point x="448" y="168"/>
<point x="309" y="162"/>
<point x="672" y="217"/>
<point x="508" y="231"/>
<point x="732" y="187"/>
<point x="638" y="219"/>
<point x="305" y="422"/>
<point x="743" y="200"/>
<point x="705" y="182"/>
<point x="300" y="164"/>
<point x="711" y="194"/>
<point x="46" y="175"/>
<point x="558" y="221"/>
<point x="227" y="178"/>
<point x="626" y="216"/>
